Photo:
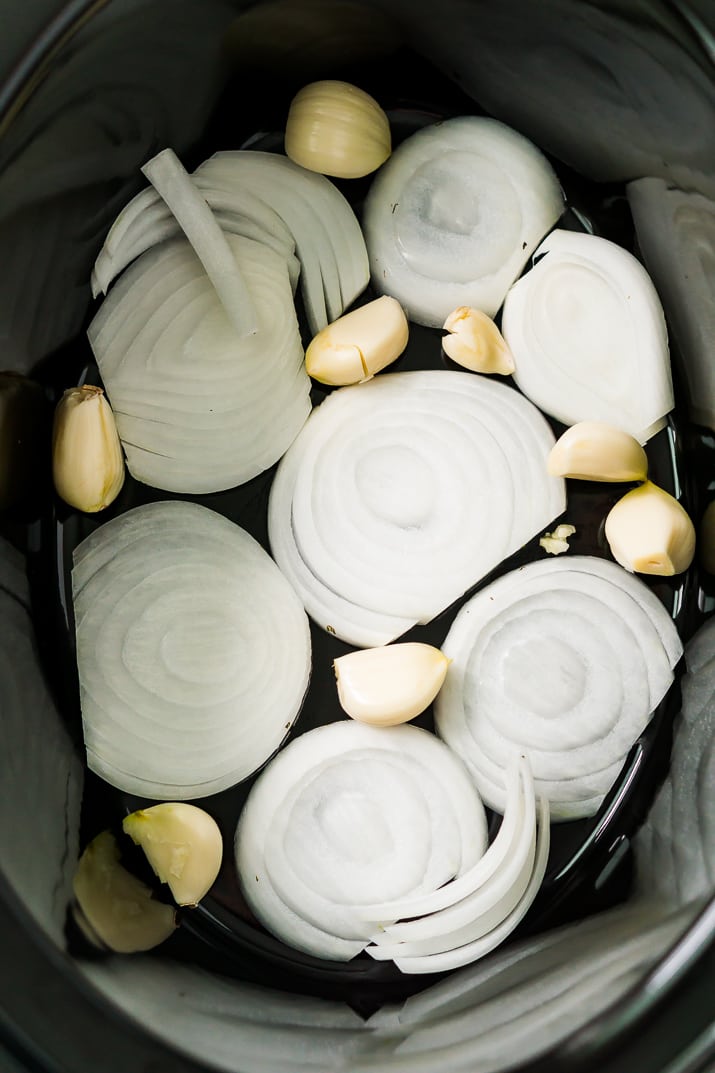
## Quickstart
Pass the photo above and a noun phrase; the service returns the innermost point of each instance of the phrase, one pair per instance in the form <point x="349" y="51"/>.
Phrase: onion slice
<point x="555" y="661"/>
<point x="167" y="176"/>
<point x="588" y="336"/>
<point x="401" y="493"/>
<point x="454" y="215"/>
<point x="199" y="409"/>
<point x="350" y="813"/>
<point x="179" y="614"/>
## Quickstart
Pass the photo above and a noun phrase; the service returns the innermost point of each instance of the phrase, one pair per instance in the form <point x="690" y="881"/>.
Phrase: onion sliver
<point x="207" y="240"/>
<point x="179" y="615"/>
<point x="458" y="956"/>
<point x="587" y="332"/>
<point x="557" y="662"/>
<point x="329" y="243"/>
<point x="199" y="409"/>
<point x="349" y="813"/>
<point x="454" y="215"/>
<point x="401" y="493"/>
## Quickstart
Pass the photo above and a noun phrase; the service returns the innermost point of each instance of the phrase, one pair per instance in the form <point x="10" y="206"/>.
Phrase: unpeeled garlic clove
<point x="183" y="845"/>
<point x="649" y="532"/>
<point x="87" y="459"/>
<point x="115" y="907"/>
<point x="706" y="542"/>
<point x="476" y="343"/>
<point x="355" y="347"/>
<point x="337" y="129"/>
<point x="557" y="543"/>
<point x="390" y="685"/>
<point x="597" y="451"/>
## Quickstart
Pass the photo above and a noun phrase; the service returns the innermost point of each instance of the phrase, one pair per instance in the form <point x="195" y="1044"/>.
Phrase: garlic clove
<point x="649" y="532"/>
<point x="358" y="345"/>
<point x="476" y="343"/>
<point x="183" y="845"/>
<point x="87" y="459"/>
<point x="337" y="129"/>
<point x="115" y="907"/>
<point x="707" y="538"/>
<point x="390" y="685"/>
<point x="557" y="543"/>
<point x="597" y="451"/>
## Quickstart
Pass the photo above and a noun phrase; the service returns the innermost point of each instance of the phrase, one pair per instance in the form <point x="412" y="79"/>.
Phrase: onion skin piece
<point x="597" y="451"/>
<point x="183" y="845"/>
<point x="358" y="345"/>
<point x="650" y="532"/>
<point x="476" y="343"/>
<point x="118" y="907"/>
<point x="337" y="129"/>
<point x="390" y="685"/>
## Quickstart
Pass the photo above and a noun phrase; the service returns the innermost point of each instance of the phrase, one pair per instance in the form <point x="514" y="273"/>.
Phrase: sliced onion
<point x="350" y="813"/>
<point x="179" y="615"/>
<point x="587" y="332"/>
<point x="402" y="492"/>
<point x="454" y="215"/>
<point x="676" y="235"/>
<point x="555" y="661"/>
<point x="167" y="176"/>
<point x="199" y="409"/>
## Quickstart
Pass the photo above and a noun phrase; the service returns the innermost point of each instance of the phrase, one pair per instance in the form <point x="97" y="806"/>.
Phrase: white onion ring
<point x="454" y="215"/>
<point x="199" y="409"/>
<point x="400" y="493"/>
<point x="586" y="329"/>
<point x="179" y="614"/>
<point x="349" y="813"/>
<point x="561" y="625"/>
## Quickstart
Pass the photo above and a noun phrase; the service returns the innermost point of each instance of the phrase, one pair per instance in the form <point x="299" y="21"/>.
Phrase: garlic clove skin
<point x="706" y="541"/>
<point x="597" y="451"/>
<point x="649" y="532"/>
<point x="359" y="344"/>
<point x="337" y="129"/>
<point x="87" y="460"/>
<point x="183" y="845"/>
<point x="115" y="907"/>
<point x="476" y="343"/>
<point x="390" y="685"/>
<point x="557" y="543"/>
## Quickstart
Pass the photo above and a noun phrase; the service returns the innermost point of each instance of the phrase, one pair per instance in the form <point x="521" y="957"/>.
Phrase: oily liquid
<point x="588" y="864"/>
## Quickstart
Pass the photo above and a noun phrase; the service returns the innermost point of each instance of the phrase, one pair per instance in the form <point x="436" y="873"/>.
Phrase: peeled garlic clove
<point x="359" y="344"/>
<point x="597" y="451"/>
<point x="116" y="907"/>
<point x="87" y="459"/>
<point x="390" y="685"/>
<point x="183" y="845"/>
<point x="476" y="343"/>
<point x="707" y="538"/>
<point x="557" y="543"/>
<point x="337" y="129"/>
<point x="649" y="532"/>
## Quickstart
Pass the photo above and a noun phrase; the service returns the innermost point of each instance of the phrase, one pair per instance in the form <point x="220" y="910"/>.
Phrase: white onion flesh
<point x="171" y="182"/>
<point x="563" y="661"/>
<point x="349" y="813"/>
<point x="401" y="493"/>
<point x="454" y="215"/>
<point x="199" y="409"/>
<point x="676" y="236"/>
<point x="179" y="614"/>
<point x="587" y="332"/>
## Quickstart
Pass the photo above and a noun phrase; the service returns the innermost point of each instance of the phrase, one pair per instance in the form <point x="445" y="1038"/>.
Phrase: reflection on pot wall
<point x="129" y="83"/>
